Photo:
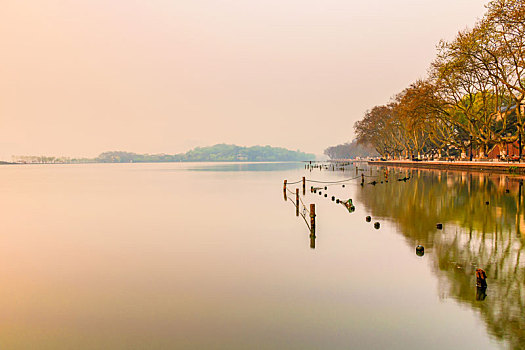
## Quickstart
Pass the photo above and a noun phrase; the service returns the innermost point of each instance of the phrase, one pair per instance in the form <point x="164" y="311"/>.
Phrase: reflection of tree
<point x="475" y="235"/>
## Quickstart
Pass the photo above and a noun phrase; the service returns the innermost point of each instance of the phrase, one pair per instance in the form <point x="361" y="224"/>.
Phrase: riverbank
<point x="498" y="167"/>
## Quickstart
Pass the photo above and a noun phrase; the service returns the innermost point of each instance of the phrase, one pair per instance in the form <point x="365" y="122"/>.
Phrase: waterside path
<point x="456" y="165"/>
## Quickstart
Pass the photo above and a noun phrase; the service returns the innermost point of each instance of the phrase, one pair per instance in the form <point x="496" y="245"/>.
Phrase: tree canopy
<point x="473" y="95"/>
<point x="350" y="150"/>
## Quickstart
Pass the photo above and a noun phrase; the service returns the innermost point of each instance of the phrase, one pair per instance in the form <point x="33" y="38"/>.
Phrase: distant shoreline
<point x="163" y="162"/>
<point x="216" y="153"/>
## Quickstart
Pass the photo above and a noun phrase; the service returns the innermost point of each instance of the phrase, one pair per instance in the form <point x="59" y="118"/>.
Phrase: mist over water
<point x="206" y="255"/>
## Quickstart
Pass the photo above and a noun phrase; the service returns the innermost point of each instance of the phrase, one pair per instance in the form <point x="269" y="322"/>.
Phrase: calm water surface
<point x="211" y="256"/>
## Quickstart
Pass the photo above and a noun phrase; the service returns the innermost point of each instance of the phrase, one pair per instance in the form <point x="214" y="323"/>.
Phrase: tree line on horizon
<point x="216" y="153"/>
<point x="472" y="98"/>
<point x="351" y="150"/>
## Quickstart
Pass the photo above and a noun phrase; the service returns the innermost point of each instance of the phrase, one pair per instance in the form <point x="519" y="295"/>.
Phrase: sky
<point x="78" y="78"/>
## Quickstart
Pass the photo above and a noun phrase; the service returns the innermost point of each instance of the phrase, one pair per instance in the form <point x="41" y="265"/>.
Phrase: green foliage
<point x="217" y="153"/>
<point x="224" y="152"/>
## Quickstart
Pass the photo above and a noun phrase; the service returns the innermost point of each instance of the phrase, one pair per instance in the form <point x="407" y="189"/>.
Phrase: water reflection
<point x="312" y="240"/>
<point x="243" y="166"/>
<point x="481" y="293"/>
<point x="483" y="225"/>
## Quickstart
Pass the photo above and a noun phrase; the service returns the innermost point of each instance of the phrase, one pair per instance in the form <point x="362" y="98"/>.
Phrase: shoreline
<point x="499" y="167"/>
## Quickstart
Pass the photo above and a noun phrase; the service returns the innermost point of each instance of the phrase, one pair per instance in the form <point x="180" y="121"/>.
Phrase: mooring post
<point x="312" y="226"/>
<point x="304" y="185"/>
<point x="312" y="218"/>
<point x="284" y="186"/>
<point x="362" y="179"/>
<point x="312" y="240"/>
<point x="296" y="202"/>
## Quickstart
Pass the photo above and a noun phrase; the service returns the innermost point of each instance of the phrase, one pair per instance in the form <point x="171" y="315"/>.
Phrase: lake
<point x="211" y="256"/>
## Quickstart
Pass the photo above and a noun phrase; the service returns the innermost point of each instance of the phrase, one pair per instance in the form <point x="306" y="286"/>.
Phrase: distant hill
<point x="217" y="153"/>
<point x="350" y="150"/>
<point x="223" y="152"/>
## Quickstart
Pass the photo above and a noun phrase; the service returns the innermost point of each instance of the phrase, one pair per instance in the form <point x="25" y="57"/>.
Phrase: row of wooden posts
<point x="312" y="206"/>
<point x="304" y="185"/>
<point x="331" y="166"/>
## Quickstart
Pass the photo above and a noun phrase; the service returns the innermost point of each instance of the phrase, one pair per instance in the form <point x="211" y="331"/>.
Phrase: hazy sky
<point x="160" y="76"/>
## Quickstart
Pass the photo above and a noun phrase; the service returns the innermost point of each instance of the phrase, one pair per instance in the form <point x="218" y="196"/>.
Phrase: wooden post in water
<point x="284" y="186"/>
<point x="312" y="226"/>
<point x="296" y="202"/>
<point x="362" y="179"/>
<point x="312" y="218"/>
<point x="304" y="185"/>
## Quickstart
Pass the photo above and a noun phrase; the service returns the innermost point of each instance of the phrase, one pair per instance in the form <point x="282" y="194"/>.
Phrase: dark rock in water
<point x="420" y="250"/>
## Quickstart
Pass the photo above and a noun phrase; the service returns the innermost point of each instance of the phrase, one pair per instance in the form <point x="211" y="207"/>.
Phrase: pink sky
<point x="157" y="76"/>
